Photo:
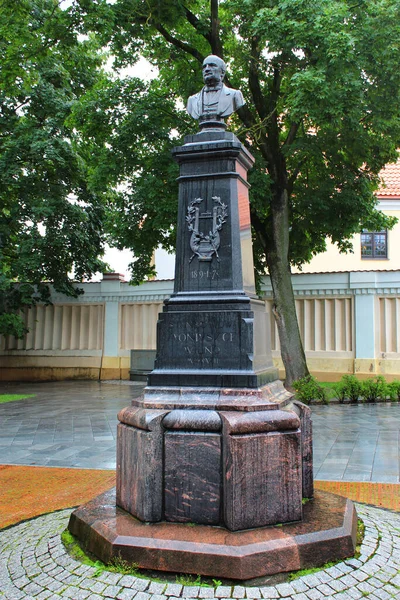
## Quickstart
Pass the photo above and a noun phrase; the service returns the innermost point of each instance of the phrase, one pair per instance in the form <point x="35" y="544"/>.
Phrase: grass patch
<point x="117" y="565"/>
<point x="13" y="397"/>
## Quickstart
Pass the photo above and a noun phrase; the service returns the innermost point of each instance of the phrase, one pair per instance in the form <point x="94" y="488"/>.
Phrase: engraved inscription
<point x="203" y="349"/>
<point x="204" y="244"/>
<point x="204" y="274"/>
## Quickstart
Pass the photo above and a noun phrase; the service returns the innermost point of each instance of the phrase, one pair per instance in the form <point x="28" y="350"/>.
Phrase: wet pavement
<point x="73" y="424"/>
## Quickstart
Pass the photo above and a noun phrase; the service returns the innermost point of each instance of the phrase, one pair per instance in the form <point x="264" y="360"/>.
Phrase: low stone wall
<point x="349" y="322"/>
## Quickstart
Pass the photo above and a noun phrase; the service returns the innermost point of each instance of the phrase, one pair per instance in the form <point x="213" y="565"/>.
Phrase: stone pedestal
<point x="216" y="440"/>
<point x="210" y="465"/>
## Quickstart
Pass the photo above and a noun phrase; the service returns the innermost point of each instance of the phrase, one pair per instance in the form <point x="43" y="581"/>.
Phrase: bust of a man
<point x="215" y="100"/>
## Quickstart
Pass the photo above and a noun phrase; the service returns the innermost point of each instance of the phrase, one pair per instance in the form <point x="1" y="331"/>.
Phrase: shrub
<point x="394" y="389"/>
<point x="350" y="387"/>
<point x="374" y="389"/>
<point x="340" y="391"/>
<point x="308" y="388"/>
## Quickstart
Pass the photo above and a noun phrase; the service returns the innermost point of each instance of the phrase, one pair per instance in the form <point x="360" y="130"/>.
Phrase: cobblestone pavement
<point x="34" y="564"/>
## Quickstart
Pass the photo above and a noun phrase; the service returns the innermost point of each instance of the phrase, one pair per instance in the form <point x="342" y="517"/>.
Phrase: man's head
<point x="213" y="70"/>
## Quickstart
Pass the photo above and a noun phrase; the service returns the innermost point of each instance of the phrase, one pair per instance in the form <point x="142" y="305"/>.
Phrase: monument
<point x="215" y="441"/>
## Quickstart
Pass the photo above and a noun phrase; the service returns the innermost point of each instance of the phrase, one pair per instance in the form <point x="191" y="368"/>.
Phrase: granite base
<point x="326" y="533"/>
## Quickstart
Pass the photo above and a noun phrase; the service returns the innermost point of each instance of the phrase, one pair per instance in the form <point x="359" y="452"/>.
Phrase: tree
<point x="322" y="83"/>
<point x="51" y="221"/>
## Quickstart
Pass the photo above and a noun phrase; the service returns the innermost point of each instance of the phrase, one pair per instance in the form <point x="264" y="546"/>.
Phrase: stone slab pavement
<point x="73" y="424"/>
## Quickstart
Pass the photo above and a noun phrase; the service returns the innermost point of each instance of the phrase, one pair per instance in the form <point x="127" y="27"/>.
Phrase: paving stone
<point x="253" y="592"/>
<point x="360" y="575"/>
<point x="334" y="572"/>
<point x="45" y="595"/>
<point x="285" y="590"/>
<point x="223" y="591"/>
<point x="354" y="593"/>
<point x="364" y="586"/>
<point x="173" y="589"/>
<point x="239" y="591"/>
<point x="208" y="592"/>
<point x="126" y="594"/>
<point x="141" y="584"/>
<point x="189" y="591"/>
<point x="315" y="594"/>
<point x="299" y="586"/>
<point x="392" y="590"/>
<point x="382" y="594"/>
<point x="110" y="578"/>
<point x="326" y="590"/>
<point x="375" y="582"/>
<point x="311" y="580"/>
<point x="337" y="585"/>
<point x="75" y="593"/>
<point x="154" y="588"/>
<point x="269" y="592"/>
<point x="111" y="591"/>
<point x="142" y="596"/>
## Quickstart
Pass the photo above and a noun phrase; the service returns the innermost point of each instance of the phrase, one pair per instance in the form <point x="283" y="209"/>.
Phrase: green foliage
<point x="374" y="389"/>
<point x="394" y="389"/>
<point x="187" y="579"/>
<point x="13" y="397"/>
<point x="340" y="390"/>
<point x="332" y="120"/>
<point x="50" y="218"/>
<point x="308" y="389"/>
<point x="74" y="549"/>
<point x="350" y="387"/>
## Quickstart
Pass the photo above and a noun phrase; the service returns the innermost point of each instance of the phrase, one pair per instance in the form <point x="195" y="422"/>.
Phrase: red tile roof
<point x="391" y="181"/>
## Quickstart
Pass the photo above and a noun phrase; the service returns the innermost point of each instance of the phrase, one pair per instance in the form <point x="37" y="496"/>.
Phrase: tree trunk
<point x="277" y="246"/>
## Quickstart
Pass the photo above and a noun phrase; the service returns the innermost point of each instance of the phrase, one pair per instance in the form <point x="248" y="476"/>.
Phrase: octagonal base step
<point x="326" y="533"/>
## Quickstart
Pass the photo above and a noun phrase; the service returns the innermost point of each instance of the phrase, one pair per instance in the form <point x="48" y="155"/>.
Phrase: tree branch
<point x="254" y="80"/>
<point x="291" y="136"/>
<point x="295" y="174"/>
<point x="178" y="43"/>
<point x="215" y="41"/>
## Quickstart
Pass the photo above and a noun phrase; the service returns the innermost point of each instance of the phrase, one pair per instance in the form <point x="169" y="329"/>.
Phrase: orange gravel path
<point x="385" y="495"/>
<point x="27" y="492"/>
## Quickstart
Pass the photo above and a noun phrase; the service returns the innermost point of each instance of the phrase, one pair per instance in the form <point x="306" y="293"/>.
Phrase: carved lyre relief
<point x="205" y="244"/>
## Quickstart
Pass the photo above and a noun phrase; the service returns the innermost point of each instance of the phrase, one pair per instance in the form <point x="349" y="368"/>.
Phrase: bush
<point x="340" y="391"/>
<point x="374" y="389"/>
<point x="350" y="388"/>
<point x="394" y="389"/>
<point x="308" y="388"/>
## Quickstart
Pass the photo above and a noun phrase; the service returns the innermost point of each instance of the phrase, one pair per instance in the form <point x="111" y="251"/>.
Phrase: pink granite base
<point x="326" y="533"/>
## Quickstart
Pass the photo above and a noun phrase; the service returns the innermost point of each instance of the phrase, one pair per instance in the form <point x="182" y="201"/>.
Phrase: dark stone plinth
<point x="326" y="533"/>
<point x="213" y="331"/>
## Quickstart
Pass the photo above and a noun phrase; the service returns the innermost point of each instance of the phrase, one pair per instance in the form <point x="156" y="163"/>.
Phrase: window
<point x="374" y="244"/>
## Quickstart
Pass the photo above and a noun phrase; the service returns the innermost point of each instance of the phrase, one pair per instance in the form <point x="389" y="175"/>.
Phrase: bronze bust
<point x="215" y="101"/>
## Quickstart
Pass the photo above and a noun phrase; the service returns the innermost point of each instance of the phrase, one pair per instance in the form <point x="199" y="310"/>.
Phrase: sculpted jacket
<point x="230" y="101"/>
